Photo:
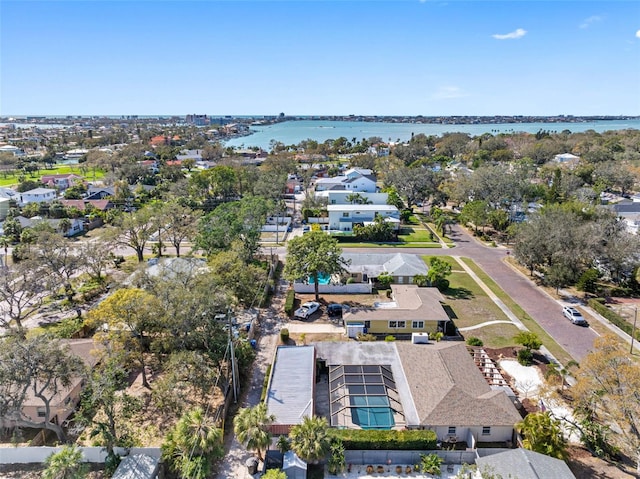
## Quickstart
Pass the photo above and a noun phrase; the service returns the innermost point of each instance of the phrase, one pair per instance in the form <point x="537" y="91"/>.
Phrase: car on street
<point x="573" y="315"/>
<point x="306" y="310"/>
<point x="334" y="310"/>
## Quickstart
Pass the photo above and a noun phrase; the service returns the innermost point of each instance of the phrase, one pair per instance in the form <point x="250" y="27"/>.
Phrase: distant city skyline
<point x="430" y="58"/>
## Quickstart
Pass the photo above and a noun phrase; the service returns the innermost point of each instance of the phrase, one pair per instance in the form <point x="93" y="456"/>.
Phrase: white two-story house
<point x="37" y="195"/>
<point x="344" y="217"/>
<point x="357" y="180"/>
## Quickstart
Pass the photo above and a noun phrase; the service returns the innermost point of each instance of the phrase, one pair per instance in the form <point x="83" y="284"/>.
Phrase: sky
<point x="402" y="57"/>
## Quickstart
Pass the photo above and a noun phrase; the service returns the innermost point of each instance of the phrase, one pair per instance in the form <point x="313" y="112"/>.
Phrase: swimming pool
<point x="371" y="412"/>
<point x="322" y="279"/>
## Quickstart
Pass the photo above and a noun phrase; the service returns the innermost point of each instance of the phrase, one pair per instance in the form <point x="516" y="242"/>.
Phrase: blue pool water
<point x="322" y="279"/>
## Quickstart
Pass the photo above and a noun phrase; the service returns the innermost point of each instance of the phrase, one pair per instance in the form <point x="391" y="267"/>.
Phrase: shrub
<point x="350" y="280"/>
<point x="442" y="284"/>
<point x="288" y="303"/>
<point x="384" y="281"/>
<point x="390" y="338"/>
<point x="374" y="439"/>
<point x="525" y="357"/>
<point x="365" y="337"/>
<point x="284" y="335"/>
<point x="265" y="383"/>
<point x="473" y="341"/>
<point x="587" y="281"/>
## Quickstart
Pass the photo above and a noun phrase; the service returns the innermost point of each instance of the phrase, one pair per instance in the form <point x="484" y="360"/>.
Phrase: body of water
<point x="293" y="132"/>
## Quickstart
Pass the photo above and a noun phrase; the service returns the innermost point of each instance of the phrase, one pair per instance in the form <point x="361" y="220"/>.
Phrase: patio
<point x="448" y="471"/>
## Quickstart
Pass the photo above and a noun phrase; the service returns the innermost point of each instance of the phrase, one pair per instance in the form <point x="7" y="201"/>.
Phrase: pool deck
<point x="360" y="473"/>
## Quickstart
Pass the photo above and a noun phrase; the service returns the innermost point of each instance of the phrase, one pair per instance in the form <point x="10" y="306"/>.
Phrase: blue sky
<point x="320" y="57"/>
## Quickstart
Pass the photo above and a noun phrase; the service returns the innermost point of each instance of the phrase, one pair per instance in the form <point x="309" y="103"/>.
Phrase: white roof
<point x="361" y="208"/>
<point x="40" y="191"/>
<point x="290" y="395"/>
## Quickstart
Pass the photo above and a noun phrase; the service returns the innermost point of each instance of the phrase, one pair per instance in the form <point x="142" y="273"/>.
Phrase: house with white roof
<point x="344" y="197"/>
<point x="344" y="217"/>
<point x="291" y="387"/>
<point x="356" y="180"/>
<point x="14" y="150"/>
<point x="37" y="195"/>
<point x="566" y="159"/>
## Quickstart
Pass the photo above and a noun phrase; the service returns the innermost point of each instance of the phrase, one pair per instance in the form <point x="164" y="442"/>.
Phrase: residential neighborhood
<point x="154" y="283"/>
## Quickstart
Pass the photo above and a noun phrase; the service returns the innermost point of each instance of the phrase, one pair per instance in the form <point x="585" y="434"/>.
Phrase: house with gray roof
<point x="401" y="267"/>
<point x="357" y="180"/>
<point x="524" y="464"/>
<point x="291" y="388"/>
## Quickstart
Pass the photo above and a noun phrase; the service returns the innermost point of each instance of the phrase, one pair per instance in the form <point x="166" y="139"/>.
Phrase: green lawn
<point x="10" y="180"/>
<point x="469" y="305"/>
<point x="409" y="234"/>
<point x="390" y="245"/>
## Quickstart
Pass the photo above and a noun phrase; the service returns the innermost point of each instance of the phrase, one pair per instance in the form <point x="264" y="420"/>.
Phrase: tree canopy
<point x="310" y="255"/>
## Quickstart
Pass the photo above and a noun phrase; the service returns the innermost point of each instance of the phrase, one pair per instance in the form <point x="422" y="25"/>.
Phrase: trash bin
<point x="252" y="465"/>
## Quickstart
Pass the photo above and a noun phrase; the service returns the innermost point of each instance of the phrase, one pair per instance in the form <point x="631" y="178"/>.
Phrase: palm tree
<point x="193" y="444"/>
<point x="251" y="426"/>
<point x="310" y="440"/>
<point x="543" y="434"/>
<point x="4" y="243"/>
<point x="65" y="464"/>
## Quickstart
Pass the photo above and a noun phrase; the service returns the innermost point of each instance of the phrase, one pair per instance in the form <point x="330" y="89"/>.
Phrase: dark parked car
<point x="334" y="310"/>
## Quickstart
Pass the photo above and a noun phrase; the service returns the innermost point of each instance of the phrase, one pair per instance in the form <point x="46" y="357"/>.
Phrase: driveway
<point x="233" y="464"/>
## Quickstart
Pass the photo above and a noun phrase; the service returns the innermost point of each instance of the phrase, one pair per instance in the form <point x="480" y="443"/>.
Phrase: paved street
<point x="545" y="310"/>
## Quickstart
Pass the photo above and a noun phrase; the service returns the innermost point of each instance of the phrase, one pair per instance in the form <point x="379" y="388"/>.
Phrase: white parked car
<point x="306" y="310"/>
<point x="573" y="315"/>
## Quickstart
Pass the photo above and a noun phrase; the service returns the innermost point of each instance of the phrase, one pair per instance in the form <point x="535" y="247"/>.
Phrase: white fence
<point x="36" y="455"/>
<point x="352" y="288"/>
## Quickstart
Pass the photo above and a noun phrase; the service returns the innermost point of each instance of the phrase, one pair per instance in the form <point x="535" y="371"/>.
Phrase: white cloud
<point x="448" y="92"/>
<point x="519" y="33"/>
<point x="638" y="34"/>
<point x="590" y="21"/>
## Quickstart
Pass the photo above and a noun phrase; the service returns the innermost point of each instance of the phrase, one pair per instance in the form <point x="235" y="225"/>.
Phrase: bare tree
<point x="22" y="290"/>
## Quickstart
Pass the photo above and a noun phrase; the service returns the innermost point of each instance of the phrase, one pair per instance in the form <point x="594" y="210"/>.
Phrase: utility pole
<point x="234" y="366"/>
<point x="633" y="330"/>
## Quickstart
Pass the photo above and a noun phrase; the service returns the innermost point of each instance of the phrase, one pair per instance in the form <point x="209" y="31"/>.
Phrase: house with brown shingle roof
<point x="396" y="385"/>
<point x="452" y="397"/>
<point x="412" y="309"/>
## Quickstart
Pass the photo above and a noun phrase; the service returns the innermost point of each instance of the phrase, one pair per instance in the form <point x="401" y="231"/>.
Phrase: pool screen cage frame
<point x="371" y="390"/>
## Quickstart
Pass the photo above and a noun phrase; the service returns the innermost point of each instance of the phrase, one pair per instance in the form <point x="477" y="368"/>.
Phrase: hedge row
<point x="288" y="303"/>
<point x="613" y="317"/>
<point x="408" y="440"/>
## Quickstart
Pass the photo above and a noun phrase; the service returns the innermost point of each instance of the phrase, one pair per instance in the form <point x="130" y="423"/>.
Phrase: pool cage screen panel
<point x="364" y="396"/>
